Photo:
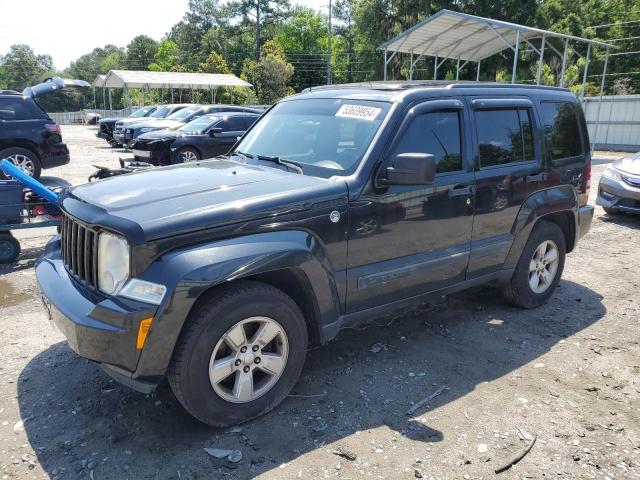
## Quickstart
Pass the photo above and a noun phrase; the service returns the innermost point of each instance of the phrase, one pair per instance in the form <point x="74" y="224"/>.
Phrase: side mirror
<point x="411" y="169"/>
<point x="214" y="131"/>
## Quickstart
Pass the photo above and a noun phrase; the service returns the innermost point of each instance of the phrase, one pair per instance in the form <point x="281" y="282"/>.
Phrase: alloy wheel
<point x="543" y="266"/>
<point x="189" y="156"/>
<point x="249" y="359"/>
<point x="23" y="162"/>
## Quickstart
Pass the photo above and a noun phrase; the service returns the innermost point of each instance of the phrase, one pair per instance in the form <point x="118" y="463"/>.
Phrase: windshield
<point x="332" y="134"/>
<point x="161" y="112"/>
<point x="142" y="112"/>
<point x="199" y="125"/>
<point x="183" y="113"/>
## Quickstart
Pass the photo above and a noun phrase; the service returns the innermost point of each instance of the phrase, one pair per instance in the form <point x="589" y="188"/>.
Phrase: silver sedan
<point x="619" y="188"/>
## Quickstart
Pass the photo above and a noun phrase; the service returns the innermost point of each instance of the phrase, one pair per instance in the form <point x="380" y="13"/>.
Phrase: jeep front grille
<point x="79" y="245"/>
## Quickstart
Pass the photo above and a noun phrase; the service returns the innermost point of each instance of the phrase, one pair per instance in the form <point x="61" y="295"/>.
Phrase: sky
<point x="68" y="29"/>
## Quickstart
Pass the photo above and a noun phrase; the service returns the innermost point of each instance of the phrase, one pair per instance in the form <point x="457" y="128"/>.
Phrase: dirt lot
<point x="567" y="373"/>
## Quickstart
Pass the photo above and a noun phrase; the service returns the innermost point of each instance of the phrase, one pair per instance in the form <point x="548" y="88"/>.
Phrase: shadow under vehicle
<point x="77" y="420"/>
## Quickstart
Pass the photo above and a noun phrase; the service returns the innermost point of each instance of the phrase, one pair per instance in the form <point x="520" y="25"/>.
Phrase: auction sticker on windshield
<point x="361" y="112"/>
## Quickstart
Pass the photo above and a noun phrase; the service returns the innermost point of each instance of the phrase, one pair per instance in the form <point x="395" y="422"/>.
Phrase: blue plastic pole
<point x="10" y="169"/>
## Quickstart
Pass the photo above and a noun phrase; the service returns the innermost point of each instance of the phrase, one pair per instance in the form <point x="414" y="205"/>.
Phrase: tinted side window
<point x="232" y="124"/>
<point x="437" y="133"/>
<point x="504" y="136"/>
<point x="19" y="108"/>
<point x="248" y="121"/>
<point x="561" y="129"/>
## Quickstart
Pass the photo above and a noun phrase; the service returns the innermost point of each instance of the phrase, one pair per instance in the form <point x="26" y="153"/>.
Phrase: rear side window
<point x="504" y="136"/>
<point x="437" y="133"/>
<point x="20" y="108"/>
<point x="232" y="124"/>
<point x="248" y="121"/>
<point x="561" y="129"/>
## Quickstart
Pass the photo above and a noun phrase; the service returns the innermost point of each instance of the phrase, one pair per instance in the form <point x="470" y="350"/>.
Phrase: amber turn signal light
<point x="143" y="331"/>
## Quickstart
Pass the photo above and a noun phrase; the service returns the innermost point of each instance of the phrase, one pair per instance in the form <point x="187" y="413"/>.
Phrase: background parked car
<point x="207" y="136"/>
<point x="107" y="125"/>
<point x="619" y="188"/>
<point x="161" y="112"/>
<point x="178" y="119"/>
<point x="28" y="136"/>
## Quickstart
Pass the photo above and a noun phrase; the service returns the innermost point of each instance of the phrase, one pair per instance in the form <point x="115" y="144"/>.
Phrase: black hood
<point x="194" y="196"/>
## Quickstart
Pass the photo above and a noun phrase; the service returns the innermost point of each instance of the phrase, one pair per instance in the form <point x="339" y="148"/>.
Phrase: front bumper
<point x="619" y="195"/>
<point x="154" y="157"/>
<point x="99" y="328"/>
<point x="104" y="135"/>
<point x="123" y="138"/>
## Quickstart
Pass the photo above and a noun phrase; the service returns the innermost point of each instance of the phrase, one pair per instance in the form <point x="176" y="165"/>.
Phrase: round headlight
<point x="113" y="262"/>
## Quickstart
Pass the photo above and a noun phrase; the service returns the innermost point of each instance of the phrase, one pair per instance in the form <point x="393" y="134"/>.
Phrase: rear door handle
<point x="541" y="177"/>
<point x="461" y="191"/>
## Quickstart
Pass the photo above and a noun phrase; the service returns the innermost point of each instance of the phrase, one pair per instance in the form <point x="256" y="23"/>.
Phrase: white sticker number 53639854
<point x="361" y="112"/>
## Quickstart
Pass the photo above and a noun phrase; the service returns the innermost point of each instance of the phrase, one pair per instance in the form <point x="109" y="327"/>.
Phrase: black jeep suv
<point x="219" y="274"/>
<point x="28" y="136"/>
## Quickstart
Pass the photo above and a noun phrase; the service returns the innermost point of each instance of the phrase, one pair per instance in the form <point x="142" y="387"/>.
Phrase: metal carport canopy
<point x="145" y="79"/>
<point x="467" y="37"/>
<point x="99" y="81"/>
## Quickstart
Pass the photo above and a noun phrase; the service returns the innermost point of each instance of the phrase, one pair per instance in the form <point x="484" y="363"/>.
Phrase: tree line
<point x="282" y="48"/>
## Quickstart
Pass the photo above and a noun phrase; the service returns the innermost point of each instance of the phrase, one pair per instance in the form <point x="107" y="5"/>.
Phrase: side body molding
<point x="189" y="272"/>
<point x="544" y="202"/>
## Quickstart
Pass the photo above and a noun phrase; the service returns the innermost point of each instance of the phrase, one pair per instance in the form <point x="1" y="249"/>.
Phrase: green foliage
<point x="261" y="15"/>
<point x="166" y="57"/>
<point x="305" y="39"/>
<point x="214" y="64"/>
<point x="21" y="67"/>
<point x="140" y="52"/>
<point x="270" y="75"/>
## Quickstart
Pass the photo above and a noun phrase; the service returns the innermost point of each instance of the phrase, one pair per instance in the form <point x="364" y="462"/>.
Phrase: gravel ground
<point x="565" y="373"/>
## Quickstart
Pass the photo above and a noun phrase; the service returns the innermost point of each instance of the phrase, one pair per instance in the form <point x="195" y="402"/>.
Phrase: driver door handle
<point x="461" y="191"/>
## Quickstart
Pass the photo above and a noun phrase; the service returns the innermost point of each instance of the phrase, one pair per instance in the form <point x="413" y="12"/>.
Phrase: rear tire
<point x="213" y="395"/>
<point x="539" y="268"/>
<point x="9" y="248"/>
<point x="23" y="158"/>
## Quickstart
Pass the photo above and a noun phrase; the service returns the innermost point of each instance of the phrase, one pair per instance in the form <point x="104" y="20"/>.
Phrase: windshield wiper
<point x="246" y="156"/>
<point x="285" y="163"/>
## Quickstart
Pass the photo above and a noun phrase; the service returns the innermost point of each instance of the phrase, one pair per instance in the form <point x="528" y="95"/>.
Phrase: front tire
<point x="240" y="354"/>
<point x="187" y="155"/>
<point x="539" y="268"/>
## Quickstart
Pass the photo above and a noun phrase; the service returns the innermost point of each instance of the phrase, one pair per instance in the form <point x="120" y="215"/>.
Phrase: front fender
<point x="542" y="203"/>
<point x="189" y="272"/>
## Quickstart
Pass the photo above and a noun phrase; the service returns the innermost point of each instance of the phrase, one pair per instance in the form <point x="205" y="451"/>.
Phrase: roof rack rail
<point x="397" y="85"/>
